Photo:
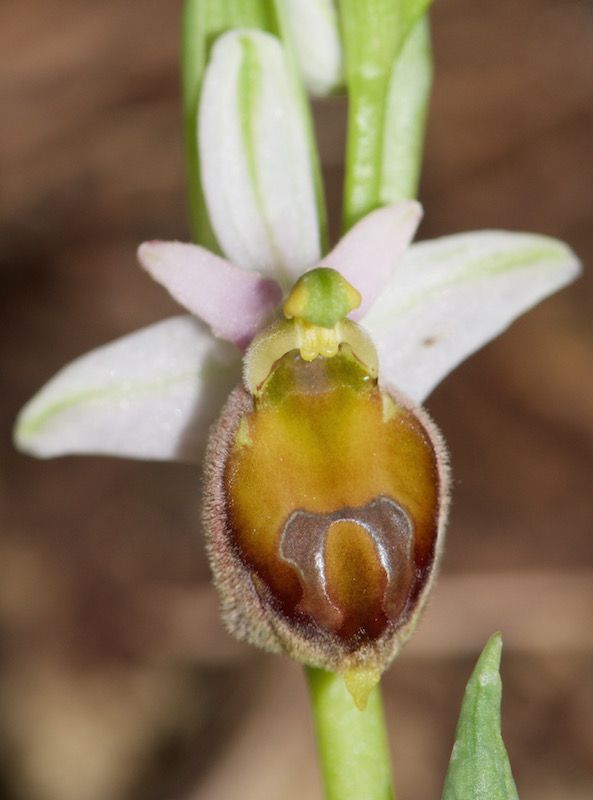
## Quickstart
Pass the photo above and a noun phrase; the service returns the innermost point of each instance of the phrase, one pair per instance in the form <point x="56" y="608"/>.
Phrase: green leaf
<point x="479" y="768"/>
<point x="374" y="33"/>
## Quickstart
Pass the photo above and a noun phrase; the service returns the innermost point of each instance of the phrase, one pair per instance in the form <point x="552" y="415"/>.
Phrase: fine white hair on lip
<point x="246" y="612"/>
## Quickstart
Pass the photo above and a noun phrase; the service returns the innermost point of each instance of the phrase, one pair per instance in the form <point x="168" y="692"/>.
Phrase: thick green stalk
<point x="352" y="744"/>
<point x="374" y="33"/>
<point x="203" y="21"/>
<point x="388" y="77"/>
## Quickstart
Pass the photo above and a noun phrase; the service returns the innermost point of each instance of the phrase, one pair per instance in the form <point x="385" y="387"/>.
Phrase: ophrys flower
<point x="155" y="393"/>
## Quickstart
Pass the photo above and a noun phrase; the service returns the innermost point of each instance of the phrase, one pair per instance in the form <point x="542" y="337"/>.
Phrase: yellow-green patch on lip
<point x="325" y="506"/>
<point x="289" y="335"/>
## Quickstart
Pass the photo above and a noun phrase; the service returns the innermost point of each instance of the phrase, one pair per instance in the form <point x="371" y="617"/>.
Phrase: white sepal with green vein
<point x="256" y="161"/>
<point x="449" y="296"/>
<point x="151" y="394"/>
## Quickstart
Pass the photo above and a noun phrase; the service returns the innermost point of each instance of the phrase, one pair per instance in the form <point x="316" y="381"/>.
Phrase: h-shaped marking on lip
<point x="302" y="545"/>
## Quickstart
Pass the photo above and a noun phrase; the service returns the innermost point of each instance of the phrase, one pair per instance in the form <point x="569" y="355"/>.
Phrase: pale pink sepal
<point x="367" y="255"/>
<point x="152" y="394"/>
<point x="234" y="302"/>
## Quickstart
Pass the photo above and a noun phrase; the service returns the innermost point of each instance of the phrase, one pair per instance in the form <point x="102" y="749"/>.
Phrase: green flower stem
<point x="374" y="34"/>
<point x="203" y="21"/>
<point x="388" y="77"/>
<point x="387" y="100"/>
<point x="352" y="744"/>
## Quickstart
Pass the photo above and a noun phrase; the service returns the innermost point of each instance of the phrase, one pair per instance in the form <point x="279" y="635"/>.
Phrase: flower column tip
<point x="319" y="302"/>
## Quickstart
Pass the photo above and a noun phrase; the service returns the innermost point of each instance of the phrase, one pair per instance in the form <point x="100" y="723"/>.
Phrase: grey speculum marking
<point x="302" y="545"/>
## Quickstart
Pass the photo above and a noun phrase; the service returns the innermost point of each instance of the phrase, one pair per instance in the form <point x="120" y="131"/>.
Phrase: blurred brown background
<point x="116" y="681"/>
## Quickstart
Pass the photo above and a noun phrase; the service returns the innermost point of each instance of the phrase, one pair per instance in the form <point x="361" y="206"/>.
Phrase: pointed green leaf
<point x="479" y="768"/>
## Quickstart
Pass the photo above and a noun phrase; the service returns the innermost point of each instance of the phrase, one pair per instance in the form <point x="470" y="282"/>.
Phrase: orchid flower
<point x="325" y="357"/>
<point x="424" y="308"/>
<point x="155" y="393"/>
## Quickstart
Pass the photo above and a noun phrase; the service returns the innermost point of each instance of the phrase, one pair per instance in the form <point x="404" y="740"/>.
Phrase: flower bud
<point x="325" y="500"/>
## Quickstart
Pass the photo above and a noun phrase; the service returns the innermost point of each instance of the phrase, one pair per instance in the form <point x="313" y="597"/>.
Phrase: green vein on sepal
<point x="29" y="425"/>
<point x="203" y="22"/>
<point x="248" y="91"/>
<point x="249" y="88"/>
<point x="545" y="256"/>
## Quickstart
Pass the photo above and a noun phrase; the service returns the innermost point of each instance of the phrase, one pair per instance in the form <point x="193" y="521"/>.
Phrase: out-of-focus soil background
<point x="116" y="680"/>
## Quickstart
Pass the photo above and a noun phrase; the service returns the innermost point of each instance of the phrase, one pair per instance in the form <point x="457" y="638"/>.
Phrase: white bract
<point x="154" y="393"/>
<point x="314" y="30"/>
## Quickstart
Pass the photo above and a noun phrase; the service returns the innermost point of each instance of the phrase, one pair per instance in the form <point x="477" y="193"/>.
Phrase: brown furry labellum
<point x="325" y="507"/>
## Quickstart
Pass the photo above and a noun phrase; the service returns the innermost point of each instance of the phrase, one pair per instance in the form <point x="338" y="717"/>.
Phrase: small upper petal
<point x="450" y="296"/>
<point x="234" y="302"/>
<point x="367" y="255"/>
<point x="151" y="394"/>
